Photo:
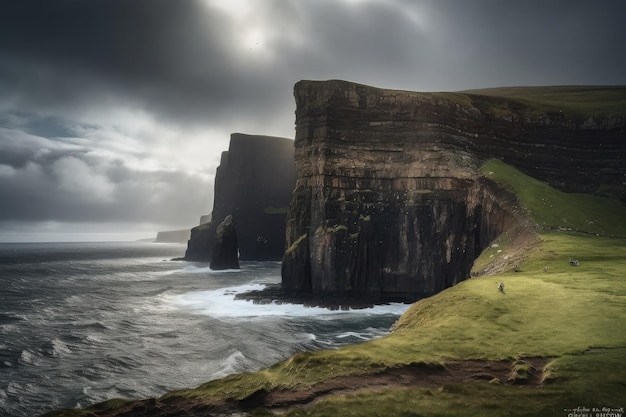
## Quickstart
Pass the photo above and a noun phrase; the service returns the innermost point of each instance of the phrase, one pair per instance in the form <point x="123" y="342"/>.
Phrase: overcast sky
<point x="113" y="113"/>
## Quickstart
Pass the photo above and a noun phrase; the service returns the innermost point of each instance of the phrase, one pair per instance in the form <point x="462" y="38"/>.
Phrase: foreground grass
<point x="573" y="314"/>
<point x="472" y="399"/>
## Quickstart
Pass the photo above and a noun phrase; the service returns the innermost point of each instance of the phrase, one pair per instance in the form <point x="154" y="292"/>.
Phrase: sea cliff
<point x="389" y="202"/>
<point x="253" y="184"/>
<point x="173" y="236"/>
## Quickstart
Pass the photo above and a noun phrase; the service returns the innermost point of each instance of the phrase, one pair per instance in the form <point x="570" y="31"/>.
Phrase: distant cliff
<point x="173" y="236"/>
<point x="389" y="202"/>
<point x="253" y="183"/>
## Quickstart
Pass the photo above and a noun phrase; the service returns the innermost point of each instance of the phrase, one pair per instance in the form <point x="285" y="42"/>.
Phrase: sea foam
<point x="221" y="303"/>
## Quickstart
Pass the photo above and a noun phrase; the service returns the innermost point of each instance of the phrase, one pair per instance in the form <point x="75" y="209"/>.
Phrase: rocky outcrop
<point x="253" y="184"/>
<point x="226" y="249"/>
<point x="389" y="202"/>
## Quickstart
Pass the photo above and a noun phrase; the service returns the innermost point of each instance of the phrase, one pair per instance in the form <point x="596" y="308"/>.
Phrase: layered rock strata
<point x="253" y="184"/>
<point x="389" y="202"/>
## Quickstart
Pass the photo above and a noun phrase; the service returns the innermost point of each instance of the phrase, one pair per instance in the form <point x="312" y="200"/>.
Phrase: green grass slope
<point x="555" y="210"/>
<point x="575" y="316"/>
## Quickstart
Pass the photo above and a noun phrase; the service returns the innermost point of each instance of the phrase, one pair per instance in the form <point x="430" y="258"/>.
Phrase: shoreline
<point x="274" y="294"/>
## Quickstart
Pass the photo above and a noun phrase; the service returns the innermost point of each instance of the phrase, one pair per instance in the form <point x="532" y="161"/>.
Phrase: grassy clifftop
<point x="576" y="100"/>
<point x="554" y="339"/>
<point x="595" y="101"/>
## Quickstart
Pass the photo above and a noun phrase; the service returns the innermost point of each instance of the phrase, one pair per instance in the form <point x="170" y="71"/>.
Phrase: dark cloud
<point x="78" y="188"/>
<point x="117" y="110"/>
<point x="162" y="54"/>
<point x="182" y="60"/>
<point x="532" y="42"/>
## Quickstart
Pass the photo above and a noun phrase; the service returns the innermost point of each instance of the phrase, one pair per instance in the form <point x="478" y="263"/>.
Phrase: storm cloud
<point x="116" y="111"/>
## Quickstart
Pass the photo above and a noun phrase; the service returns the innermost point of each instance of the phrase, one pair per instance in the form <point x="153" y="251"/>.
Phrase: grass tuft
<point x="522" y="371"/>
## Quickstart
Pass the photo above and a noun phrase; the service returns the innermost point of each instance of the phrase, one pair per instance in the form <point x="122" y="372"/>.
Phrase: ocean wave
<point x="365" y="334"/>
<point x="9" y="319"/>
<point x="310" y="336"/>
<point x="54" y="348"/>
<point x="90" y="325"/>
<point x="354" y="335"/>
<point x="121" y="363"/>
<point x="92" y="339"/>
<point x="235" y="362"/>
<point x="59" y="348"/>
<point x="27" y="357"/>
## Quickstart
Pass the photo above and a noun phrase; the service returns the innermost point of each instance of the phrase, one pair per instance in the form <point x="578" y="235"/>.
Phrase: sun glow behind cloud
<point x="248" y="29"/>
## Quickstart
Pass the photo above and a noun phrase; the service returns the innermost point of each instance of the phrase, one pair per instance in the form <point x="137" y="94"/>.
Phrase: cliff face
<point x="253" y="183"/>
<point x="388" y="200"/>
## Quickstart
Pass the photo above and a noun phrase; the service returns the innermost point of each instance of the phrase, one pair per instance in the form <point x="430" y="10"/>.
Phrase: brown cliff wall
<point x="388" y="199"/>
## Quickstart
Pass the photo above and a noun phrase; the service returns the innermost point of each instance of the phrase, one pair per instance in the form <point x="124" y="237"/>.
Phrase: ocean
<point x="81" y="323"/>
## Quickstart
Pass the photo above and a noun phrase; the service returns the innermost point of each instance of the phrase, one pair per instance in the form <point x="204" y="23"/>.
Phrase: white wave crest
<point x="354" y="335"/>
<point x="59" y="348"/>
<point x="27" y="357"/>
<point x="221" y="303"/>
<point x="235" y="362"/>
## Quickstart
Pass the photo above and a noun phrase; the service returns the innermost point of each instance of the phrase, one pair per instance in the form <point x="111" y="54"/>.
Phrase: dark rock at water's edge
<point x="226" y="249"/>
<point x="389" y="201"/>
<point x="253" y="183"/>
<point x="201" y="242"/>
<point x="275" y="294"/>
